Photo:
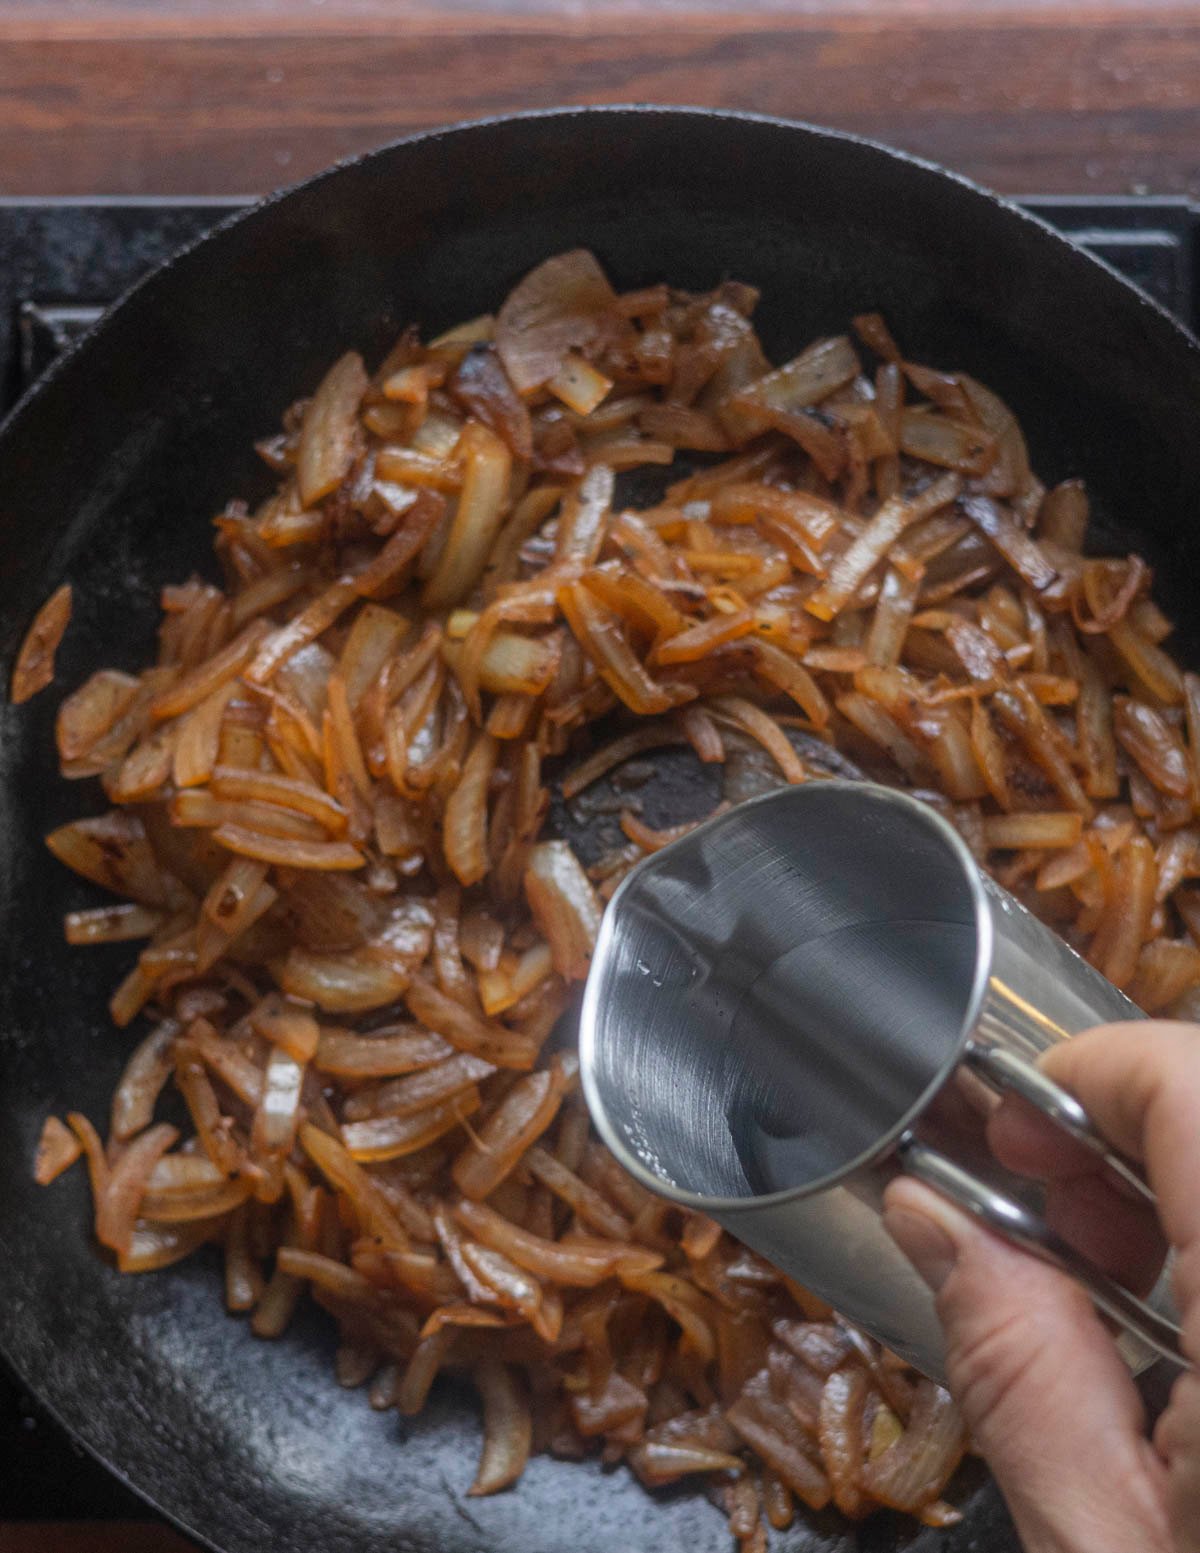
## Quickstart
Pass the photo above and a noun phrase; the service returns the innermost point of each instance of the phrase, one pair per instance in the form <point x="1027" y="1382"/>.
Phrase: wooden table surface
<point x="239" y="96"/>
<point x="150" y="97"/>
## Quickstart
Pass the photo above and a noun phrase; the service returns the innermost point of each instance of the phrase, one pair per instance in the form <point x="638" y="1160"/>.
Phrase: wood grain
<point x="201" y="97"/>
<point x="92" y="1537"/>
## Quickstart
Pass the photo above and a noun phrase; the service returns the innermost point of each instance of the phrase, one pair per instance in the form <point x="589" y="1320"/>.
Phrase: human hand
<point x="1046" y="1395"/>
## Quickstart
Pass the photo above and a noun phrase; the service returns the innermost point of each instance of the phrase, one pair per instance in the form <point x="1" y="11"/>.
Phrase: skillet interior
<point x="108" y="476"/>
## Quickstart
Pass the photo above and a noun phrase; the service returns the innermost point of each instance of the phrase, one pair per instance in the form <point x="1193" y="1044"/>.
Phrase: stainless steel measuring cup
<point x="820" y="989"/>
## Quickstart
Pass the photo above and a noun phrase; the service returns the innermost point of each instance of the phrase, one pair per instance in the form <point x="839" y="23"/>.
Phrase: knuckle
<point x="992" y="1370"/>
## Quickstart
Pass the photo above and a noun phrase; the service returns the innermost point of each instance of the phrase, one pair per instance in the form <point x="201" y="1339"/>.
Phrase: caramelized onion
<point x="330" y="798"/>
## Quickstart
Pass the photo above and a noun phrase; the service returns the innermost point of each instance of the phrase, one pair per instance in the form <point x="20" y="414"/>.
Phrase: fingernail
<point x="926" y="1245"/>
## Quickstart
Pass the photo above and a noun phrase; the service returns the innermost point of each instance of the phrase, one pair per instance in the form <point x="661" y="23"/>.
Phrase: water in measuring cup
<point x="837" y="1041"/>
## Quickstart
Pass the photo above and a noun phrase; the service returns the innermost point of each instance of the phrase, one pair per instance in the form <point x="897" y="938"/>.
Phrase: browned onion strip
<point x="519" y="1120"/>
<point x="920" y="1464"/>
<point x="564" y="904"/>
<point x="391" y="1137"/>
<point x="380" y="1055"/>
<point x="146" y="1072"/>
<point x="34" y="668"/>
<point x="58" y="1149"/>
<point x="327" y="437"/>
<point x="118" y="1207"/>
<point x="494" y="1043"/>
<point x="580" y="1264"/>
<point x="872" y="544"/>
<point x="289" y="851"/>
<point x="507" y="1428"/>
<point x="769" y="1427"/>
<point x="286" y="792"/>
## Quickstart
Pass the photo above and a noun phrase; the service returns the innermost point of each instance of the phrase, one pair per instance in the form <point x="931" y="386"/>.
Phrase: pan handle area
<point x="1004" y="1069"/>
<point x="1022" y="1227"/>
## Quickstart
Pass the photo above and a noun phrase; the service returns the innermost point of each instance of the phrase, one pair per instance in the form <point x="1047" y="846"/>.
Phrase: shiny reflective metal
<point x="814" y="992"/>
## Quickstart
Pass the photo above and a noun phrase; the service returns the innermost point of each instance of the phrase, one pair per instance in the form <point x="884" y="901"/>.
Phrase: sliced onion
<point x="579" y="385"/>
<point x="841" y="1437"/>
<point x="422" y="1371"/>
<point x="457" y="1315"/>
<point x="465" y="838"/>
<point x="197" y="744"/>
<point x="431" y="1086"/>
<point x="155" y="1246"/>
<point x="112" y="851"/>
<point x="770" y="1430"/>
<point x="477" y="517"/>
<point x="287" y="851"/>
<point x="333" y="912"/>
<point x="936" y="440"/>
<point x="507" y="1428"/>
<point x="212" y="1128"/>
<point x="1041" y="829"/>
<point x="111" y="924"/>
<point x="328" y="436"/>
<point x="483" y="388"/>
<point x="618" y="1402"/>
<point x="581" y="1264"/>
<point x="277" y="647"/>
<point x="285" y="792"/>
<point x="518" y="1121"/>
<point x="184" y="1174"/>
<point x="564" y="904"/>
<point x="391" y="1137"/>
<point x="58" y="1148"/>
<point x="512" y="1287"/>
<point x="600" y="635"/>
<point x="384" y="1053"/>
<point x="352" y="982"/>
<point x="658" y="1462"/>
<point x="140" y="1085"/>
<point x="493" y="1042"/>
<point x="178" y="1207"/>
<point x="34" y="668"/>
<point x="279" y="1107"/>
<point x="117" y="1208"/>
<point x="893" y="517"/>
<point x="1145" y="735"/>
<point x="90" y="712"/>
<point x="918" y="1466"/>
<point x="684" y="1303"/>
<point x="564" y="304"/>
<point x="345" y="1175"/>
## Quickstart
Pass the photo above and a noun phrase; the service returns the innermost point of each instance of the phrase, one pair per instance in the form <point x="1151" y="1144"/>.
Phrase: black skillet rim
<point x="10" y="424"/>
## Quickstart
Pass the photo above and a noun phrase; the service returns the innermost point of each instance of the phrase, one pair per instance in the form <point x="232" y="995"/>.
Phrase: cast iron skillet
<point x="109" y="473"/>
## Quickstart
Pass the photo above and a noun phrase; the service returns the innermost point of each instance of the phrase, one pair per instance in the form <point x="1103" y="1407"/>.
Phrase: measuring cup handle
<point x="1003" y="1069"/>
<point x="1020" y="1225"/>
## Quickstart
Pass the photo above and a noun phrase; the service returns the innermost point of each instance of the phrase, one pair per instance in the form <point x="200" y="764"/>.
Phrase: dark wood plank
<point x="198" y="97"/>
<point x="91" y="1537"/>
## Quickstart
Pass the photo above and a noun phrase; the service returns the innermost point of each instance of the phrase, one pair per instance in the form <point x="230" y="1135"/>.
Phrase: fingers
<point x="1092" y="1209"/>
<point x="1046" y="1395"/>
<point x="1141" y="1085"/>
<point x="1122" y="1237"/>
<point x="1177" y="1436"/>
<point x="1025" y="1140"/>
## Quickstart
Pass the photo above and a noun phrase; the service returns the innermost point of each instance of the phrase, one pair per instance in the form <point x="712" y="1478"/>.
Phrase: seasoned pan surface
<point x="108" y="476"/>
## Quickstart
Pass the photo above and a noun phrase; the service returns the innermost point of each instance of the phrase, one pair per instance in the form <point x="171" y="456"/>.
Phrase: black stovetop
<point x="61" y="263"/>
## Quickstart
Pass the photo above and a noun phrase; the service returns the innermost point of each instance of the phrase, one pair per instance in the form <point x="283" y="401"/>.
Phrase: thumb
<point x="1045" y="1393"/>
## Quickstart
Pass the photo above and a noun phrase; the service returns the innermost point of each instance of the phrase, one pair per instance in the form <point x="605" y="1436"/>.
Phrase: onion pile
<point x="329" y="800"/>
